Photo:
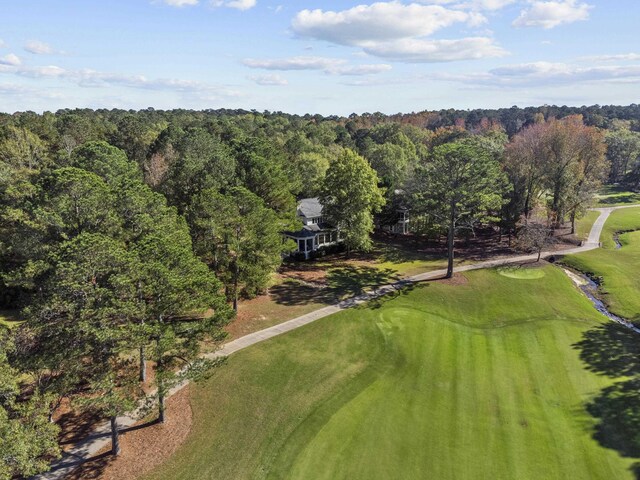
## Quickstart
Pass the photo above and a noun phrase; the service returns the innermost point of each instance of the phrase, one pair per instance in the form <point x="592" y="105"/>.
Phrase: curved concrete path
<point x="101" y="438"/>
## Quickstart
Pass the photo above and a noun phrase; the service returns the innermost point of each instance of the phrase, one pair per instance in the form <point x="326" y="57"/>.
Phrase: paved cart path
<point x="101" y="437"/>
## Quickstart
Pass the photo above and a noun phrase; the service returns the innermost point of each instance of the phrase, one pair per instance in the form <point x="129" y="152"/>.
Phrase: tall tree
<point x="80" y="330"/>
<point x="526" y="167"/>
<point x="350" y="196"/>
<point x="27" y="439"/>
<point x="239" y="237"/>
<point x="22" y="148"/>
<point x="461" y="185"/>
<point x="182" y="303"/>
<point x="198" y="161"/>
<point x="569" y="146"/>
<point x="623" y="149"/>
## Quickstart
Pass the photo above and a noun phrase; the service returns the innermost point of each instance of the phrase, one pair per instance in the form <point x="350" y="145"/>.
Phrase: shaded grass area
<point x="308" y="286"/>
<point x="617" y="270"/>
<point x="479" y="380"/>
<point x="614" y="195"/>
<point x="612" y="351"/>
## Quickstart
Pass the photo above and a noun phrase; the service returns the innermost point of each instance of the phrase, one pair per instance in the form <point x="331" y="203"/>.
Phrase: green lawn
<point x="480" y="380"/>
<point x="613" y="195"/>
<point x="618" y="268"/>
<point x="583" y="225"/>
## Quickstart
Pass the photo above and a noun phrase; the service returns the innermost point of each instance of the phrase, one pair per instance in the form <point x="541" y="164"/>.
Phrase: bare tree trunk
<point x="450" y="241"/>
<point x="161" y="404"/>
<point x="527" y="208"/>
<point x="235" y="287"/>
<point x="539" y="255"/>
<point x="115" y="436"/>
<point x="573" y="222"/>
<point x="450" y="252"/>
<point x="143" y="364"/>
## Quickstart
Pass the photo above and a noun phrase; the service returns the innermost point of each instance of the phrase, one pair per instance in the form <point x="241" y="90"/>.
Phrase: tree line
<point x="127" y="238"/>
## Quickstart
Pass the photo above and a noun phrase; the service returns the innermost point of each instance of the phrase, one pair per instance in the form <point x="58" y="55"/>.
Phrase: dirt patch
<point x="144" y="446"/>
<point x="247" y="319"/>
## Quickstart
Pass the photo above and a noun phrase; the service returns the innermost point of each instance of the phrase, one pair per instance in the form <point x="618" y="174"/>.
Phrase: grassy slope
<point x="612" y="195"/>
<point x="446" y="382"/>
<point x="618" y="268"/>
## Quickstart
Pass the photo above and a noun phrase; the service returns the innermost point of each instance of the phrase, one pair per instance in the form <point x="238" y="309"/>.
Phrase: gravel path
<point x="101" y="438"/>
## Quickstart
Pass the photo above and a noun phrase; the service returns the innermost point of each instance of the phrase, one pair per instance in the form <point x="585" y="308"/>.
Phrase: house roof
<point x="309" y="208"/>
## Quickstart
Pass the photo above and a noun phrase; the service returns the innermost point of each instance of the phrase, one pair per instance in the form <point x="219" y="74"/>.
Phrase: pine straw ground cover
<point x="482" y="379"/>
<point x="144" y="446"/>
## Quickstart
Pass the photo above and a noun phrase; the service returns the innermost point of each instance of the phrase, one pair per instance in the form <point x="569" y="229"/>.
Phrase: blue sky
<point x="311" y="56"/>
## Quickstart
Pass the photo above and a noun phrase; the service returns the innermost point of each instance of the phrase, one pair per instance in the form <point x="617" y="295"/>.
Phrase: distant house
<point x="401" y="226"/>
<point x="395" y="217"/>
<point x="315" y="233"/>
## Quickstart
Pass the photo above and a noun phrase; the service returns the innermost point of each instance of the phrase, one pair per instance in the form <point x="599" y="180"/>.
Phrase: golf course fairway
<point x="478" y="378"/>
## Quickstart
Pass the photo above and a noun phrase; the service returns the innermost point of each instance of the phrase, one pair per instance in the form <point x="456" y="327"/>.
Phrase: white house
<point x="401" y="227"/>
<point x="315" y="233"/>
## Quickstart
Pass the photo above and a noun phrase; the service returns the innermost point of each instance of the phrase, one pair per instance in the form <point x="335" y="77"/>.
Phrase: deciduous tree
<point x="350" y="196"/>
<point x="460" y="185"/>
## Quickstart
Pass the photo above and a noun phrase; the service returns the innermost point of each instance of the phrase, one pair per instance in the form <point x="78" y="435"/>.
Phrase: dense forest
<point x="128" y="236"/>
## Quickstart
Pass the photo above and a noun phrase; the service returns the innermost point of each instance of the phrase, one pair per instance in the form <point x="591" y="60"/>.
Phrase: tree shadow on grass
<point x="348" y="284"/>
<point x="626" y="199"/>
<point x="295" y="294"/>
<point x="342" y="282"/>
<point x="395" y="291"/>
<point x="352" y="280"/>
<point x="404" y="250"/>
<point x="614" y="351"/>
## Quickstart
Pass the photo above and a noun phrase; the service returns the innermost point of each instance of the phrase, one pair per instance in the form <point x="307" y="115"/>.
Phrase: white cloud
<point x="623" y="57"/>
<point x="11" y="59"/>
<point x="379" y="22"/>
<point x="538" y="74"/>
<point x="431" y="51"/>
<point x="95" y="79"/>
<point x="399" y="32"/>
<point x="181" y="3"/>
<point x="3" y="44"/>
<point x="25" y="94"/>
<point x="270" y="80"/>
<point x="237" y="4"/>
<point x="493" y="4"/>
<point x="294" y="63"/>
<point x="490" y="5"/>
<point x="331" y="66"/>
<point x="359" y="70"/>
<point x="550" y="14"/>
<point x="39" y="48"/>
